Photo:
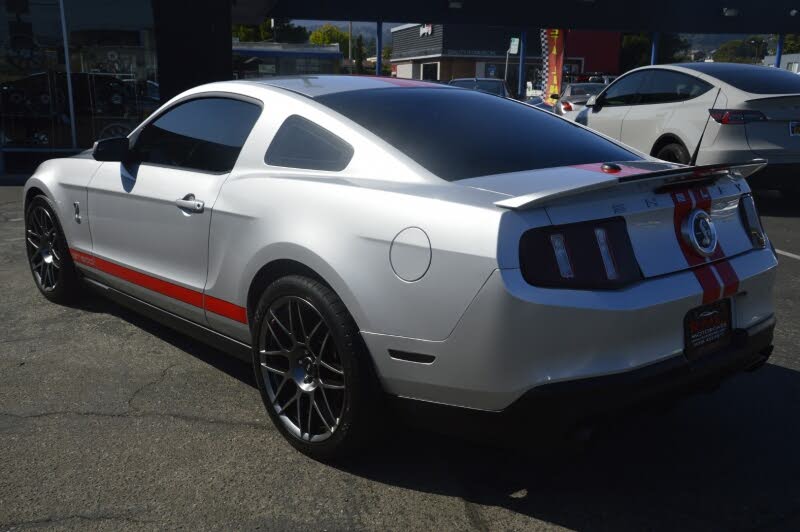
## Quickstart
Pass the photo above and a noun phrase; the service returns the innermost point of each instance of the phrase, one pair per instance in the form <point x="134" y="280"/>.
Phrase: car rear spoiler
<point x="672" y="177"/>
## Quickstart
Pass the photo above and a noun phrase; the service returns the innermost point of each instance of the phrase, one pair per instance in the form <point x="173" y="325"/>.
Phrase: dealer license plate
<point x="707" y="328"/>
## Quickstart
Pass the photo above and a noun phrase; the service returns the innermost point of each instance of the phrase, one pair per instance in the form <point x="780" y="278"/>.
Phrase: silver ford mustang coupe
<point x="361" y="239"/>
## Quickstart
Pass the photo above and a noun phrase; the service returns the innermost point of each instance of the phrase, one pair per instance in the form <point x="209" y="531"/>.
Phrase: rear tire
<point x="313" y="370"/>
<point x="674" y="153"/>
<point x="48" y="253"/>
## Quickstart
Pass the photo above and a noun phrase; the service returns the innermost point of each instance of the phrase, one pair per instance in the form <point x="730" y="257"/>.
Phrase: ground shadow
<point x="774" y="203"/>
<point x="722" y="461"/>
<point x="230" y="365"/>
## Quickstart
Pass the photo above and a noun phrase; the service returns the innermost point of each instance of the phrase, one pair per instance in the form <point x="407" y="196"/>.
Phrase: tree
<point x="284" y="31"/>
<point x="636" y="49"/>
<point x="330" y="34"/>
<point x="791" y="43"/>
<point x="359" y="54"/>
<point x="750" y="50"/>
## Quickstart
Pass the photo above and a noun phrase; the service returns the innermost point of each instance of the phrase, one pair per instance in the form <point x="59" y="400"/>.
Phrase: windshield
<point x="461" y="134"/>
<point x="485" y="85"/>
<point x="586" y="89"/>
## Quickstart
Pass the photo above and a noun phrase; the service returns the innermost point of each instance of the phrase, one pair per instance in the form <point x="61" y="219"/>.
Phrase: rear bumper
<point x="515" y="338"/>
<point x="560" y="407"/>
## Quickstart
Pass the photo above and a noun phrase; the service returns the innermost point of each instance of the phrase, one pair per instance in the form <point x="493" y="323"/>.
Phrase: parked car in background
<point x="707" y="113"/>
<point x="573" y="97"/>
<point x="495" y="86"/>
<point x="538" y="102"/>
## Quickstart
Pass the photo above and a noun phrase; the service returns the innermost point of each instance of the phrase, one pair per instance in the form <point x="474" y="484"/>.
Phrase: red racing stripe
<point x="682" y="199"/>
<point x="186" y="295"/>
<point x="225" y="309"/>
<point x="730" y="280"/>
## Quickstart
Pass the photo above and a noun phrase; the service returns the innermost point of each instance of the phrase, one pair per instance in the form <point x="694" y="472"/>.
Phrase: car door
<point x="613" y="104"/>
<point x="150" y="217"/>
<point x="669" y="102"/>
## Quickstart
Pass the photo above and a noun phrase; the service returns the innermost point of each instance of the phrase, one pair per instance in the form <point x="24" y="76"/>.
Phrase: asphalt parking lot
<point x="109" y="421"/>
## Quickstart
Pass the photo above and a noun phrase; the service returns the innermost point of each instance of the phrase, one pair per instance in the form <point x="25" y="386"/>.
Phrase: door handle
<point x="189" y="203"/>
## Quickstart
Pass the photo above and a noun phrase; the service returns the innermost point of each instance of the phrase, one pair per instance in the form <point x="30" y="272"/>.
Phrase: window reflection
<point x="113" y="63"/>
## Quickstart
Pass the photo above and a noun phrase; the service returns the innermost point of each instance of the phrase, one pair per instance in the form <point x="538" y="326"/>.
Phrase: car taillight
<point x="736" y="116"/>
<point x="752" y="221"/>
<point x="585" y="255"/>
<point x="566" y="106"/>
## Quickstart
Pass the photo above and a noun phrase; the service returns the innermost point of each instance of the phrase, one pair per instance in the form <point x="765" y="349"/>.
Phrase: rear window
<point x="751" y="78"/>
<point x="462" y="134"/>
<point x="300" y="143"/>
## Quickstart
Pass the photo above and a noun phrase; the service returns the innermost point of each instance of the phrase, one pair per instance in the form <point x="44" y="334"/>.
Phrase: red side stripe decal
<point x="226" y="309"/>
<point x="186" y="295"/>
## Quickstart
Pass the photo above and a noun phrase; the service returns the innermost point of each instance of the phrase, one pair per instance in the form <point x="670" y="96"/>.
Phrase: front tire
<point x="48" y="253"/>
<point x="313" y="371"/>
<point x="674" y="153"/>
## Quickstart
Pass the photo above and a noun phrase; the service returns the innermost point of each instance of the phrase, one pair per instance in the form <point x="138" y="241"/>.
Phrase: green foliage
<point x="636" y="48"/>
<point x="284" y="31"/>
<point x="359" y="54"/>
<point x="330" y="34"/>
<point x="791" y="43"/>
<point x="750" y="50"/>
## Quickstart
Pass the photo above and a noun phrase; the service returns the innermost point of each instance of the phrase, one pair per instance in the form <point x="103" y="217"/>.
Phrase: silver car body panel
<point x="493" y="335"/>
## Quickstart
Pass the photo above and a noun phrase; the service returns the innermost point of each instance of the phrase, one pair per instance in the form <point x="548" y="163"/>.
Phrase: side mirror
<point x="592" y="101"/>
<point x="112" y="149"/>
<point x="555" y="96"/>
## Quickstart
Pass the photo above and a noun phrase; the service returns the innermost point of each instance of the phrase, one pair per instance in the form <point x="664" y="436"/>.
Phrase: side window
<point x="623" y="91"/>
<point x="300" y="143"/>
<point x="204" y="134"/>
<point x="665" y="86"/>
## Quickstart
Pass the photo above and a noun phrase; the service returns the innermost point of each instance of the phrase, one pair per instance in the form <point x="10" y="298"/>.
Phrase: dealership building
<point x="72" y="71"/>
<point x="441" y="52"/>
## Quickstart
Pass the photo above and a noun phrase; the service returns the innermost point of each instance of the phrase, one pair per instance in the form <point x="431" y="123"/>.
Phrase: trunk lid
<point x="772" y="138"/>
<point x="653" y="198"/>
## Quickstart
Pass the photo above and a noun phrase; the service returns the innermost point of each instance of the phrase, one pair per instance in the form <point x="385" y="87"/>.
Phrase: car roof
<point x="314" y="86"/>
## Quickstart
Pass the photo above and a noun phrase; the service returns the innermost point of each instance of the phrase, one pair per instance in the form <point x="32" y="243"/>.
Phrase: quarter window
<point x="664" y="86"/>
<point x="623" y="91"/>
<point x="204" y="134"/>
<point x="300" y="143"/>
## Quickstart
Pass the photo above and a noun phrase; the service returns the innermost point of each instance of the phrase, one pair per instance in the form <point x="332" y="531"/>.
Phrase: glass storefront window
<point x="112" y="58"/>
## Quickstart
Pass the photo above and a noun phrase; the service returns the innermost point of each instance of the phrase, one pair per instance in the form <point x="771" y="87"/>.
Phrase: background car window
<point x="586" y="89"/>
<point x="203" y="134"/>
<point x="300" y="143"/>
<point x="492" y="87"/>
<point x="664" y="86"/>
<point x="751" y="78"/>
<point x="459" y="134"/>
<point x="623" y="91"/>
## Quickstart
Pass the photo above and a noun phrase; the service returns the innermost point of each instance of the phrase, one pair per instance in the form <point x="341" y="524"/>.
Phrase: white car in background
<point x="707" y="113"/>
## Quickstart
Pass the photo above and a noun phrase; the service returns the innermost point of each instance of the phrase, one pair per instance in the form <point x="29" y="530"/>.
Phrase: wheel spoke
<point x="280" y="387"/>
<point x="35" y="245"/>
<point x="330" y="368"/>
<point x="280" y="324"/>
<point x="328" y="405"/>
<point x="310" y="411"/>
<point x="331" y="386"/>
<point x="275" y="337"/>
<point x="319" y="413"/>
<point x="282" y="409"/>
<point x="273" y="370"/>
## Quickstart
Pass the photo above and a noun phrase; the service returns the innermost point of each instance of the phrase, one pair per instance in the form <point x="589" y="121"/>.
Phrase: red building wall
<point x="599" y="49"/>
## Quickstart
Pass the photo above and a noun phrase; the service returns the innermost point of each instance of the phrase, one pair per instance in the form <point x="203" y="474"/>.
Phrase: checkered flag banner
<point x="545" y="59"/>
